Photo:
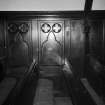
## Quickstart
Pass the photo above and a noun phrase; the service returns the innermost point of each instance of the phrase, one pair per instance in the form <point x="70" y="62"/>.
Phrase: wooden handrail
<point x="31" y="66"/>
<point x="92" y="92"/>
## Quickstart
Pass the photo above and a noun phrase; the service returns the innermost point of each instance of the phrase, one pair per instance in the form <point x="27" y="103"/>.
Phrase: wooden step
<point x="44" y="93"/>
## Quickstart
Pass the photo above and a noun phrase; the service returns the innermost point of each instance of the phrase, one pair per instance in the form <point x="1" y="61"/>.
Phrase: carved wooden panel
<point x="2" y="39"/>
<point x="77" y="46"/>
<point x="19" y="43"/>
<point x="51" y="40"/>
<point x="96" y="40"/>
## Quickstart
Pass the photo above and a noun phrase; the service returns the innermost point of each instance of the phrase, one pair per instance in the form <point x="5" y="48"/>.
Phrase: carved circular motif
<point x="45" y="27"/>
<point x="56" y="27"/>
<point x="12" y="28"/>
<point x="24" y="27"/>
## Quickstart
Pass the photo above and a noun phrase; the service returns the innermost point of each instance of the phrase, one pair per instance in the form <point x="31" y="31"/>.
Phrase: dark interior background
<point x="19" y="49"/>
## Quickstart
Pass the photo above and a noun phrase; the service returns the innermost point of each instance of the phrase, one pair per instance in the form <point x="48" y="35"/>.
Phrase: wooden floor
<point x="51" y="88"/>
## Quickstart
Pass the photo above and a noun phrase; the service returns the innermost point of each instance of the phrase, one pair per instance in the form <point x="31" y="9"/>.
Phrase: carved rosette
<point x="46" y="28"/>
<point x="15" y="28"/>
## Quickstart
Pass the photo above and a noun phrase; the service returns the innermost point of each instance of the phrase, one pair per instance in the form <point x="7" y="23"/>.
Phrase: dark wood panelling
<point x="67" y="37"/>
<point x="2" y="49"/>
<point x="103" y="42"/>
<point x="51" y="43"/>
<point x="98" y="14"/>
<point x="77" y="46"/>
<point x="73" y="43"/>
<point x="39" y="14"/>
<point x="95" y="75"/>
<point x="2" y="37"/>
<point x="19" y="43"/>
<point x="96" y="39"/>
<point x="35" y="40"/>
<point x="95" y="72"/>
<point x="22" y="48"/>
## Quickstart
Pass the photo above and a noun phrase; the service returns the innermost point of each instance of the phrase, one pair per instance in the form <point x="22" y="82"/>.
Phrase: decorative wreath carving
<point x="56" y="27"/>
<point x="12" y="28"/>
<point x="23" y="27"/>
<point x="45" y="28"/>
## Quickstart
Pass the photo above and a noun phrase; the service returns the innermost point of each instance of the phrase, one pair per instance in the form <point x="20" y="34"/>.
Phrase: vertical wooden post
<point x="87" y="10"/>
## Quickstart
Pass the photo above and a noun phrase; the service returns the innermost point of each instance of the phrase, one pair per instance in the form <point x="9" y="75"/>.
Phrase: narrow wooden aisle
<point x="52" y="89"/>
<point x="49" y="89"/>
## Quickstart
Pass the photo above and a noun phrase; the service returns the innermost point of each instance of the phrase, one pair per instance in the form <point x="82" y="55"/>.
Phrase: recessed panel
<point x="51" y="36"/>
